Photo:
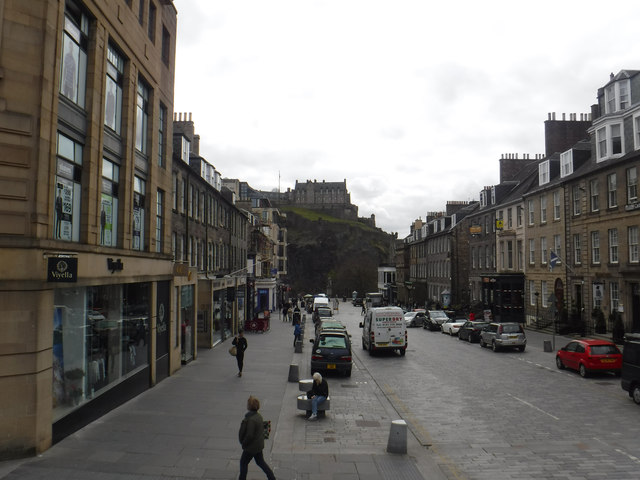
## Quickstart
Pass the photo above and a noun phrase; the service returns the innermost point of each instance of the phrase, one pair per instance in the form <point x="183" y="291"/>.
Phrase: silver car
<point x="503" y="335"/>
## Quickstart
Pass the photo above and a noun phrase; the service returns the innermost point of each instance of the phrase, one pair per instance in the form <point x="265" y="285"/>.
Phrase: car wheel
<point x="494" y="347"/>
<point x="583" y="371"/>
<point x="559" y="363"/>
<point x="482" y="344"/>
<point x="459" y="337"/>
<point x="635" y="394"/>
<point x="347" y="373"/>
<point x="403" y="351"/>
<point x="364" y="347"/>
<point x="468" y="339"/>
<point x="370" y="350"/>
<point x="521" y="348"/>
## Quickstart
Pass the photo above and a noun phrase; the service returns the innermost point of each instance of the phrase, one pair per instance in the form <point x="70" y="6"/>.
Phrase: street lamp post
<point x="537" y="322"/>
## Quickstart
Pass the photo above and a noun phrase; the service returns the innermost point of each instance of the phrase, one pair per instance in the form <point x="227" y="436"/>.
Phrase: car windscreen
<point x="438" y="315"/>
<point x="332" y="342"/>
<point x="603" y="349"/>
<point x="511" y="329"/>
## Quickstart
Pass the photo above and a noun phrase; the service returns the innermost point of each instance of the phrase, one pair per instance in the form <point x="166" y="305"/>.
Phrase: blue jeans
<point x="244" y="465"/>
<point x="314" y="403"/>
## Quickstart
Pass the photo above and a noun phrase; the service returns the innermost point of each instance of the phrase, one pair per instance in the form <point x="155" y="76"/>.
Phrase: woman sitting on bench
<point x="318" y="394"/>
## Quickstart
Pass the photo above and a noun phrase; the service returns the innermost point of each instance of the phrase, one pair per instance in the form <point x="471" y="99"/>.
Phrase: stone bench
<point x="305" y="384"/>
<point x="304" y="403"/>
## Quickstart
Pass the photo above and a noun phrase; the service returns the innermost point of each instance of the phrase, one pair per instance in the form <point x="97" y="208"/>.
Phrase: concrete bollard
<point x="293" y="372"/>
<point x="298" y="348"/>
<point x="397" y="437"/>
<point x="547" y="345"/>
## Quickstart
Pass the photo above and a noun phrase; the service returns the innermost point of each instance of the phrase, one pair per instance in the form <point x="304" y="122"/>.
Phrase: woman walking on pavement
<point x="251" y="436"/>
<point x="241" y="345"/>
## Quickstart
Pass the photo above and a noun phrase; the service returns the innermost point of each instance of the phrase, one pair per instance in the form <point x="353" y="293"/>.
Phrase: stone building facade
<point x="85" y="141"/>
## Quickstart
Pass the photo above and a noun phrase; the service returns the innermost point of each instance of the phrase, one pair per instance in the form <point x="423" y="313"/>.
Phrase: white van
<point x="320" y="302"/>
<point x="384" y="328"/>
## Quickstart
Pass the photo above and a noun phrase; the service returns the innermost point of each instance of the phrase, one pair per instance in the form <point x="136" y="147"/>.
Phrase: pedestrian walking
<point x="241" y="345"/>
<point x="318" y="394"/>
<point x="251" y="436"/>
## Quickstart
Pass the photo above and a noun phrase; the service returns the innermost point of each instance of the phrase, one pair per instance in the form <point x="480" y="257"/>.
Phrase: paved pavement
<point x="186" y="426"/>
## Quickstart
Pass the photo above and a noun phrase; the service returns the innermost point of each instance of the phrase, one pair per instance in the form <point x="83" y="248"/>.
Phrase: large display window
<point x="100" y="337"/>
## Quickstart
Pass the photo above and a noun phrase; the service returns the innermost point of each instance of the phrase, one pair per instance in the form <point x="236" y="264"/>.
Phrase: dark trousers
<point x="244" y="465"/>
<point x="240" y="360"/>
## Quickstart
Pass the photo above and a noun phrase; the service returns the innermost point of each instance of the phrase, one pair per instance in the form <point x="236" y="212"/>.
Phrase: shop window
<point x="109" y="204"/>
<point x="139" y="187"/>
<point x="100" y="337"/>
<point x="68" y="191"/>
<point x="73" y="77"/>
<point x="113" y="90"/>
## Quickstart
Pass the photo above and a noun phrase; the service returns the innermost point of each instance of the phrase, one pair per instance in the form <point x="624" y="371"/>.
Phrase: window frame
<point x="632" y="240"/>
<point x="613" y="246"/>
<point x="612" y="190"/>
<point x="595" y="247"/>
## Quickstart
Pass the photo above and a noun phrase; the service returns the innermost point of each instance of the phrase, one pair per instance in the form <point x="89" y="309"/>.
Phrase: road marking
<point x="622" y="452"/>
<point x="533" y="406"/>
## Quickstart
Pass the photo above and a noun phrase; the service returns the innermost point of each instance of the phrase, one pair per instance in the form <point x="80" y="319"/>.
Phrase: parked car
<point x="453" y="325"/>
<point x="630" y="380"/>
<point x="357" y="302"/>
<point x="322" y="313"/>
<point x="470" y="331"/>
<point x="586" y="356"/>
<point x="330" y="325"/>
<point x="331" y="352"/>
<point x="503" y="335"/>
<point x="414" y="319"/>
<point x="435" y="319"/>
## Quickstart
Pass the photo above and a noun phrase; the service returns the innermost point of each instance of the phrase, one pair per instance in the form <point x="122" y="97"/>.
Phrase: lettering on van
<point x="389" y="321"/>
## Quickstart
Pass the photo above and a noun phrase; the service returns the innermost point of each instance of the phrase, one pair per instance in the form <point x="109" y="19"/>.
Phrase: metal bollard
<point x="293" y="372"/>
<point x="298" y="347"/>
<point x="397" y="437"/>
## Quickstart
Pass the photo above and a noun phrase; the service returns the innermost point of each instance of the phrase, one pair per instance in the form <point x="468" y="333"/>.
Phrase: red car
<point x="588" y="356"/>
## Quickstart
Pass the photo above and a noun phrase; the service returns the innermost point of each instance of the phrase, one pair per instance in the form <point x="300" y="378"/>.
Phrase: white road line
<point x="622" y="452"/>
<point x="533" y="406"/>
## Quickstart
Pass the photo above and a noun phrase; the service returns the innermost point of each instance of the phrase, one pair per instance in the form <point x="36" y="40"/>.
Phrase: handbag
<point x="267" y="428"/>
<point x="233" y="351"/>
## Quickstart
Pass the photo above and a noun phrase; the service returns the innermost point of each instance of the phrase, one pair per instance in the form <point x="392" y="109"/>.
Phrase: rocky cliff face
<point x="332" y="255"/>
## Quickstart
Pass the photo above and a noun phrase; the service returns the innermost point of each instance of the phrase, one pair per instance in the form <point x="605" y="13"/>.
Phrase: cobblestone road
<point x="506" y="415"/>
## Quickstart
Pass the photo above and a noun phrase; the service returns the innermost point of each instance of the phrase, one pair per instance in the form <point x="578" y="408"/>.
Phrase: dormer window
<point x="543" y="173"/>
<point x="186" y="148"/>
<point x="616" y="96"/>
<point x="609" y="141"/>
<point x="483" y="198"/>
<point x="493" y="195"/>
<point x="566" y="163"/>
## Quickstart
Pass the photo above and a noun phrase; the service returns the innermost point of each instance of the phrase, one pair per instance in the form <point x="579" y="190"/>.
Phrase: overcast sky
<point x="412" y="102"/>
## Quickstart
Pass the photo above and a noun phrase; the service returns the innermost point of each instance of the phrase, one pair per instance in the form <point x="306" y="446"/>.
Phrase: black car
<point x="630" y="374"/>
<point x="434" y="320"/>
<point x="322" y="313"/>
<point x="331" y="352"/>
<point x="470" y="331"/>
<point x="357" y="302"/>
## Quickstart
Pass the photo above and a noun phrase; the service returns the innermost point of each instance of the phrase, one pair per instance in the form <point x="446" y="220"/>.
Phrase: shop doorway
<point x="162" y="331"/>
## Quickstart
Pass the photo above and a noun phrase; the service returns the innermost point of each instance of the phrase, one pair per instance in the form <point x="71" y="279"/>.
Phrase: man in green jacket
<point x="251" y="436"/>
